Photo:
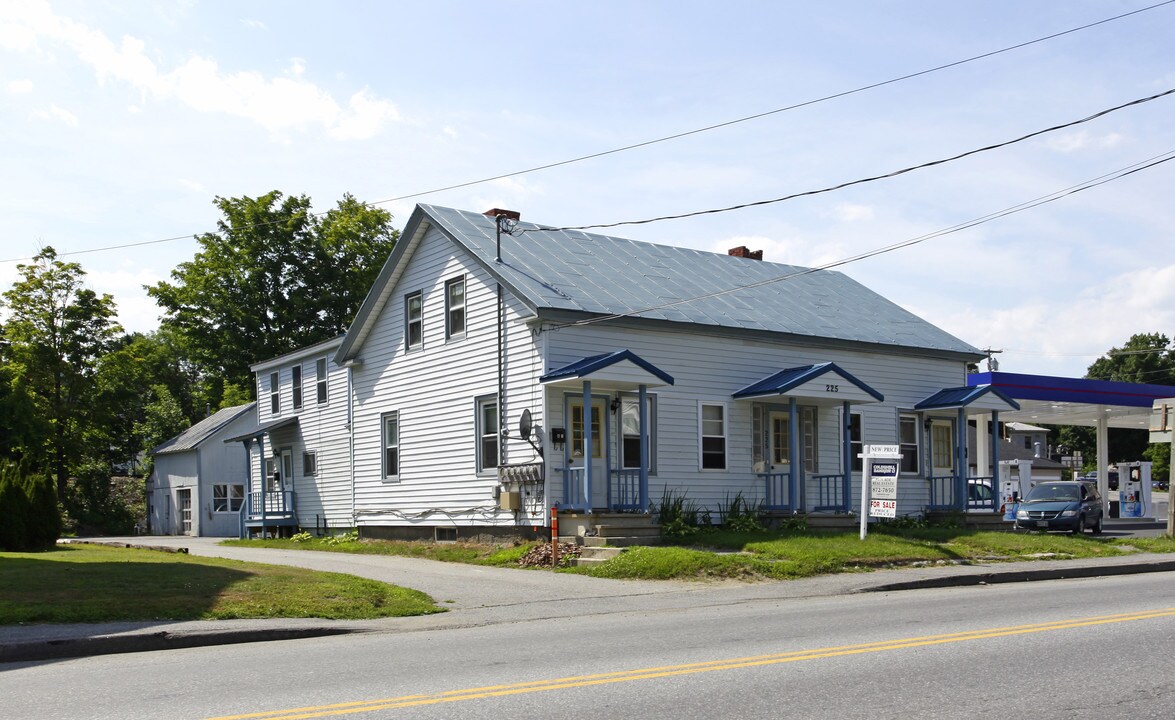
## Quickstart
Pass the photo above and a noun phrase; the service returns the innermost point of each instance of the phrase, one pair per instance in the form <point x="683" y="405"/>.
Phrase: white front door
<point x="287" y="482"/>
<point x="600" y="446"/>
<point x="779" y="439"/>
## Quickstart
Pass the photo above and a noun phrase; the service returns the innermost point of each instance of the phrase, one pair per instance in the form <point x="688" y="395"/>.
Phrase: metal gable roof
<point x="191" y="438"/>
<point x="584" y="272"/>
<point x="967" y="396"/>
<point x="784" y="381"/>
<point x="587" y="366"/>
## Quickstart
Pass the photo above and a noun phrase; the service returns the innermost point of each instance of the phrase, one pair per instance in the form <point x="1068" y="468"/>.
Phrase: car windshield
<point x="1045" y="493"/>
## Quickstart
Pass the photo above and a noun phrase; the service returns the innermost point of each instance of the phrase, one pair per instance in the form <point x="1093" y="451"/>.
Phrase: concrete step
<point x="595" y="555"/>
<point x="621" y="541"/>
<point x="611" y="530"/>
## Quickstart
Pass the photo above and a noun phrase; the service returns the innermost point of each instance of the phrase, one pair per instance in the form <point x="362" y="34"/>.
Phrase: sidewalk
<point x="482" y="596"/>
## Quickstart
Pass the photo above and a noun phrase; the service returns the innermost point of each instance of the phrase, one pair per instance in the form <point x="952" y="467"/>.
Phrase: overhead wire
<point x="874" y="178"/>
<point x="666" y="138"/>
<point x="1029" y="204"/>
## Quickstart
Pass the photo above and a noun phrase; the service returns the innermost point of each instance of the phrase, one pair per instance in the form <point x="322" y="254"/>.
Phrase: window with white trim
<point x="908" y="443"/>
<point x="228" y="497"/>
<point x="320" y="387"/>
<point x="455" y="307"/>
<point x="309" y="463"/>
<point x="487" y="433"/>
<point x="712" y="436"/>
<point x="630" y="431"/>
<point x="414" y="320"/>
<point x="390" y="423"/>
<point x="275" y="400"/>
<point x="296" y="385"/>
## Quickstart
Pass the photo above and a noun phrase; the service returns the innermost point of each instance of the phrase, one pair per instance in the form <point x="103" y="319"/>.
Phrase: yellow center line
<point x="652" y="673"/>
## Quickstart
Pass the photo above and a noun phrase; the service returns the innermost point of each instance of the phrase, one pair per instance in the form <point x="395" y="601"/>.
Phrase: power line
<point x="666" y="138"/>
<point x="895" y="173"/>
<point x="1027" y="205"/>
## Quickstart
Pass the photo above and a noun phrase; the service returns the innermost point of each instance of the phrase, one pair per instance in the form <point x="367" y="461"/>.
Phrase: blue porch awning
<point x="621" y="368"/>
<point x="980" y="399"/>
<point x="262" y="429"/>
<point x="826" y="380"/>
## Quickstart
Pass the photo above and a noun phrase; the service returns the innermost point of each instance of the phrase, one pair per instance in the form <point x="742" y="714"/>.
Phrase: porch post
<point x="961" y="459"/>
<point x="793" y="447"/>
<point x="587" y="445"/>
<point x="982" y="451"/>
<point x="643" y="491"/>
<point x="995" y="454"/>
<point x="846" y="456"/>
<point x="1103" y="463"/>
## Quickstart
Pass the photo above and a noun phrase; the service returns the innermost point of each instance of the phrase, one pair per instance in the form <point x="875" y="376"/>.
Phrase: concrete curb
<point x="1013" y="575"/>
<point x="73" y="647"/>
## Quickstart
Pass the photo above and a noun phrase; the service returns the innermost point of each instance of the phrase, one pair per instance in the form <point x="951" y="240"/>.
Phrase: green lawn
<point x="771" y="555"/>
<point x="96" y="583"/>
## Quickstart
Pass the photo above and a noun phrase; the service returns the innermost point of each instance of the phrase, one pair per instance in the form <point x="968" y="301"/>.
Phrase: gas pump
<point x="1134" y="490"/>
<point x="1015" y="482"/>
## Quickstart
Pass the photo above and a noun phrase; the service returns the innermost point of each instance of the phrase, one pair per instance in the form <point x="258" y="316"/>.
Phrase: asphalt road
<point x="1090" y="648"/>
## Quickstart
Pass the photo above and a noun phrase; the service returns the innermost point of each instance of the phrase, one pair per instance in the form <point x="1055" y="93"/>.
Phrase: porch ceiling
<point x="262" y="429"/>
<point x="619" y="370"/>
<point x="823" y="383"/>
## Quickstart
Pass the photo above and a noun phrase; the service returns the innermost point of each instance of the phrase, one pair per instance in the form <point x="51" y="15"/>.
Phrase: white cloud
<point x="56" y="113"/>
<point x="253" y="24"/>
<point x="20" y="87"/>
<point x="1071" y="142"/>
<point x="848" y="212"/>
<point x="449" y="132"/>
<point x="190" y="184"/>
<point x="137" y="312"/>
<point x="279" y="104"/>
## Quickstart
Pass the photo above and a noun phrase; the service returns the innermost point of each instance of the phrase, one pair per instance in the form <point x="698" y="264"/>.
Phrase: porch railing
<point x="776" y="495"/>
<point x="624" y="489"/>
<point x="942" y="493"/>
<point x="573" y="496"/>
<point x="831" y="494"/>
<point x="273" y="503"/>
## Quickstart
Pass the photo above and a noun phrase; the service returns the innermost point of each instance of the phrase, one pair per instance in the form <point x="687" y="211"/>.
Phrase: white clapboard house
<point x="456" y="400"/>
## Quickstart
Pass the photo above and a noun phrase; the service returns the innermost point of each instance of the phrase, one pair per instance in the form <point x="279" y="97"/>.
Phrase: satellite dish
<point x="525" y="425"/>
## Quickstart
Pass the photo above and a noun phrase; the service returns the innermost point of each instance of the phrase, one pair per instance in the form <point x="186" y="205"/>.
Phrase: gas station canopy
<point x="1072" y="401"/>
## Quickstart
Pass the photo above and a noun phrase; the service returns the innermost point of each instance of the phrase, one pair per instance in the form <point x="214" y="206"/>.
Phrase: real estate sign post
<point x="879" y="483"/>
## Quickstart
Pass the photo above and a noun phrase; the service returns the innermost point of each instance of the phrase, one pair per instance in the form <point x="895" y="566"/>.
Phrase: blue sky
<point x="120" y="122"/>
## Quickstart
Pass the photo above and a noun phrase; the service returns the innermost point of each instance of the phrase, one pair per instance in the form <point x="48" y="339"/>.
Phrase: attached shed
<point x="198" y="484"/>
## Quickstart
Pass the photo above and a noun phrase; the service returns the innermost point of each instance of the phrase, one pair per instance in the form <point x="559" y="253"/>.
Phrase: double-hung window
<point x="712" y="440"/>
<point x="908" y="443"/>
<point x="414" y="320"/>
<point x="455" y="307"/>
<point x="228" y="497"/>
<point x="275" y="400"/>
<point x="630" y="424"/>
<point x="320" y="380"/>
<point x="391" y="445"/>
<point x="296" y="385"/>
<point x="487" y="433"/>
<point x="309" y="463"/>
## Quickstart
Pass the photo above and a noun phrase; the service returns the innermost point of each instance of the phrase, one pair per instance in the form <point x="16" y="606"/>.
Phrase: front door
<point x="600" y="446"/>
<point x="183" y="499"/>
<point x="287" y="482"/>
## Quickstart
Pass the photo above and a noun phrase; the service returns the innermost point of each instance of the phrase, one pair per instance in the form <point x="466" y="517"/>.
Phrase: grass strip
<point x="94" y="583"/>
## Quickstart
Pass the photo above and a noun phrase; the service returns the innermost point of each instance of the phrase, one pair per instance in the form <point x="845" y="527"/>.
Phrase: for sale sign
<point x="883" y="508"/>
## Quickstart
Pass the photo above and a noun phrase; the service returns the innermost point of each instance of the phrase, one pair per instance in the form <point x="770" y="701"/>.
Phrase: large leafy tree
<point x="57" y="331"/>
<point x="273" y="278"/>
<point x="1144" y="358"/>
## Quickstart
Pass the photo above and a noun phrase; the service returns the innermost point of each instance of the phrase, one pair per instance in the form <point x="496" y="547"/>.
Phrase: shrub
<point x="676" y="514"/>
<point x="43" y="522"/>
<point x="29" y="518"/>
<point x="14" y="509"/>
<point x="740" y="516"/>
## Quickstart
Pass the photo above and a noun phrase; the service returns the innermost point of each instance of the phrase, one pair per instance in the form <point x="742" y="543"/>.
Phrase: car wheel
<point x="1079" y="528"/>
<point x="1097" y="528"/>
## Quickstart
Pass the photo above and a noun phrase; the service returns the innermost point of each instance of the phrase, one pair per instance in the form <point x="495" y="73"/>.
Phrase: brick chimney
<point x="508" y="214"/>
<point x="743" y="251"/>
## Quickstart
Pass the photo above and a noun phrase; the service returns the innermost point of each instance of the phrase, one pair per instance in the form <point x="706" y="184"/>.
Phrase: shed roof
<point x="601" y="275"/>
<point x="191" y="438"/>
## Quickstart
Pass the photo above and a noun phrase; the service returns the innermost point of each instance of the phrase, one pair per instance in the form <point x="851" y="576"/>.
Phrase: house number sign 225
<point x="832" y="388"/>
